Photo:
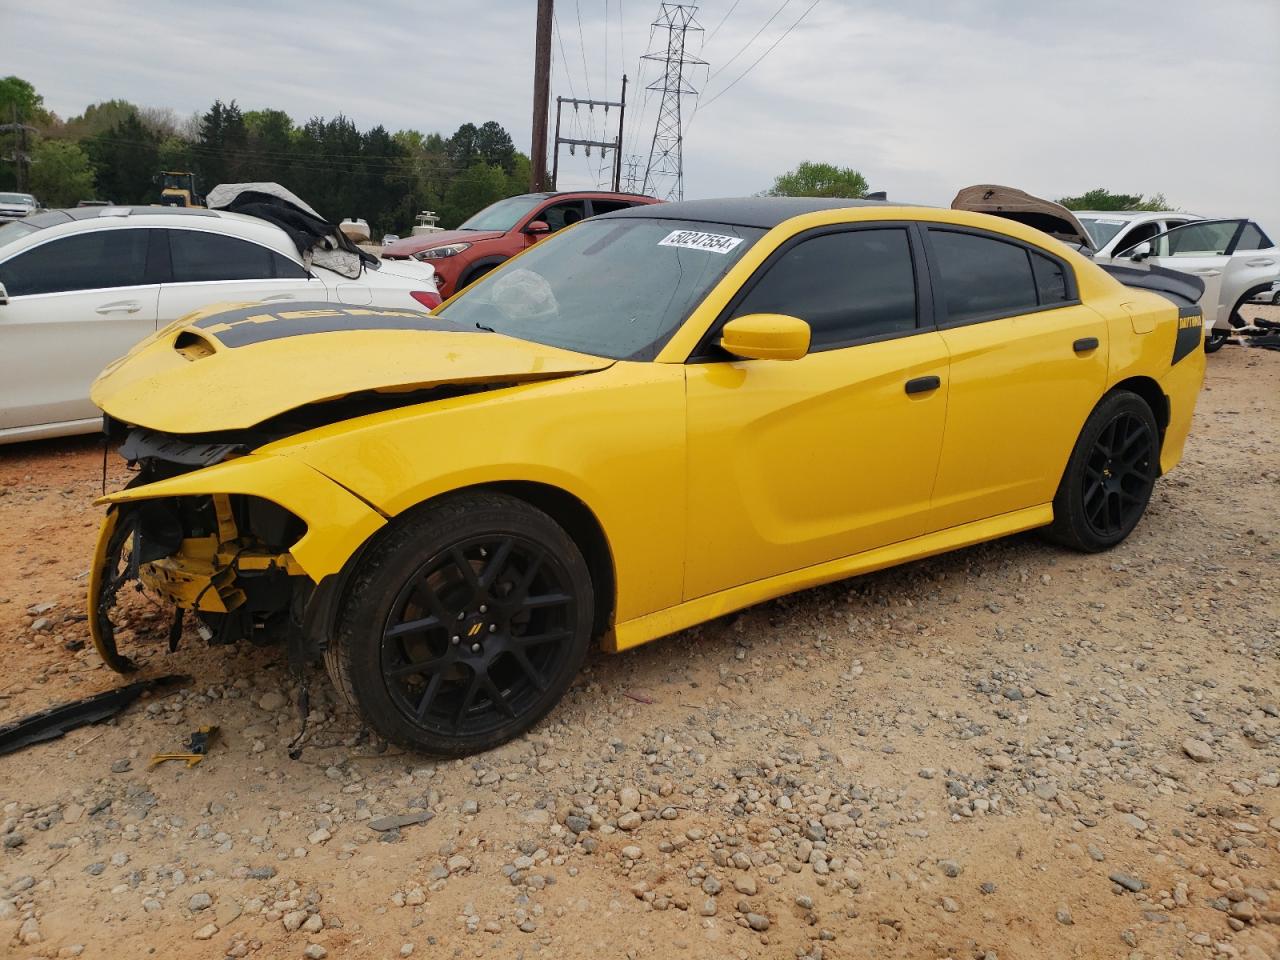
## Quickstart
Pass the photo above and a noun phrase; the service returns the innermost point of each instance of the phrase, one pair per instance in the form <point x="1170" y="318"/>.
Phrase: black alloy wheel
<point x="464" y="626"/>
<point x="1118" y="475"/>
<point x="1110" y="475"/>
<point x="475" y="634"/>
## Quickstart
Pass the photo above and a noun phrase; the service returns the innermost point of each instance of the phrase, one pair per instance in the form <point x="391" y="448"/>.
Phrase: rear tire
<point x="1109" y="477"/>
<point x="464" y="626"/>
<point x="1215" y="341"/>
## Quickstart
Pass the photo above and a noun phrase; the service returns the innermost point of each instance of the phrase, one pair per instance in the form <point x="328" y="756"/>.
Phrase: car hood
<point x="232" y="367"/>
<point x="1013" y="204"/>
<point x="408" y="246"/>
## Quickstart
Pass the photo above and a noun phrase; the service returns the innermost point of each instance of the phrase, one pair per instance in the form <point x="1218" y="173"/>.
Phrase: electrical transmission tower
<point x="664" y="173"/>
<point x="631" y="179"/>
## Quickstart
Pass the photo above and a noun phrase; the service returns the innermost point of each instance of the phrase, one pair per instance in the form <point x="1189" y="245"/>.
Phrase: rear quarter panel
<point x="1152" y="337"/>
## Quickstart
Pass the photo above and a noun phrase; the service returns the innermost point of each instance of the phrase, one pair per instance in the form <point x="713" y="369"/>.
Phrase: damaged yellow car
<point x="646" y="421"/>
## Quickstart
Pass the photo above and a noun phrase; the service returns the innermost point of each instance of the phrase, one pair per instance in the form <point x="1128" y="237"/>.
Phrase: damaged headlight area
<point x="222" y="560"/>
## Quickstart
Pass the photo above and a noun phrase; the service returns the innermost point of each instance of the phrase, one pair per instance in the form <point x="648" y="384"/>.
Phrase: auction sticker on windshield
<point x="694" y="240"/>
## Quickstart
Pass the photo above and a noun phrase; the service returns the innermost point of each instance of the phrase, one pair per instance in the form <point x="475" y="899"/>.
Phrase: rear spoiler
<point x="1182" y="288"/>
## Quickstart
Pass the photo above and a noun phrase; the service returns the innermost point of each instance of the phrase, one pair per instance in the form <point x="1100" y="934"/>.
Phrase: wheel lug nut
<point x="493" y="628"/>
<point x="475" y="648"/>
<point x="483" y="608"/>
<point x="462" y="615"/>
<point x="455" y="639"/>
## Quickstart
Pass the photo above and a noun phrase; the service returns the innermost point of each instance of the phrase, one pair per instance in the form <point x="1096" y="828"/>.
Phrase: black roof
<point x="763" y="212"/>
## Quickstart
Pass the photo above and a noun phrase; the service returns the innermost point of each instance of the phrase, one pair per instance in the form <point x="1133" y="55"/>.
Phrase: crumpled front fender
<point x="338" y="521"/>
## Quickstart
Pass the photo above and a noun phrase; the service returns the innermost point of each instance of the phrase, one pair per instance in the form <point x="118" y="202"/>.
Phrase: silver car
<point x="15" y="206"/>
<point x="1270" y="295"/>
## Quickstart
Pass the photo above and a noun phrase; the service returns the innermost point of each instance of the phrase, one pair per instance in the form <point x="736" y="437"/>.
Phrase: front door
<point x="75" y="304"/>
<point x="793" y="463"/>
<point x="1028" y="364"/>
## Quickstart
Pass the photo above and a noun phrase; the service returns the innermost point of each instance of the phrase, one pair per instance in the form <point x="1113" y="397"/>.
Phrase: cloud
<point x="924" y="97"/>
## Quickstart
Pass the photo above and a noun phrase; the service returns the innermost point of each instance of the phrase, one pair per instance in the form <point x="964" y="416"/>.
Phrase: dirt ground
<point x="985" y="755"/>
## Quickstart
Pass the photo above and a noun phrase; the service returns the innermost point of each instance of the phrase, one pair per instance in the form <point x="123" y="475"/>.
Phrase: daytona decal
<point x="693" y="240"/>
<point x="1190" y="332"/>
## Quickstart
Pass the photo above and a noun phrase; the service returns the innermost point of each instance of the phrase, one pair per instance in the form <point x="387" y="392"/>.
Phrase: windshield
<point x="17" y="198"/>
<point x="502" y="215"/>
<point x="611" y="288"/>
<point x="1102" y="229"/>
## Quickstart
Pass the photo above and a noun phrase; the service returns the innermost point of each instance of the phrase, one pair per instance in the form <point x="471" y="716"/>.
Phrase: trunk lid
<point x="1013" y="204"/>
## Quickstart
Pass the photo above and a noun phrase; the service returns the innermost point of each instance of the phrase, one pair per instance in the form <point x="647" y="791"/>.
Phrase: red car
<point x="501" y="230"/>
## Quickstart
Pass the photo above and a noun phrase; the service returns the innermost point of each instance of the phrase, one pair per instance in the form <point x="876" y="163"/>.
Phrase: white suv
<point x="79" y="287"/>
<point x="1119" y="230"/>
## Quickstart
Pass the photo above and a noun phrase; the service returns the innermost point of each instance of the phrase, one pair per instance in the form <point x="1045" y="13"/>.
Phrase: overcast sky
<point x="1180" y="97"/>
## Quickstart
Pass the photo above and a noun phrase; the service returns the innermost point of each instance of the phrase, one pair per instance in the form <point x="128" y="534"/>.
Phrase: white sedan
<point x="79" y="287"/>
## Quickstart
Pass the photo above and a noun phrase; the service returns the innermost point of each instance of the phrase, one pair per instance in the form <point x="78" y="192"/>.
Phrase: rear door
<point x="208" y="268"/>
<point x="1028" y="363"/>
<point x="793" y="463"/>
<point x="75" y="304"/>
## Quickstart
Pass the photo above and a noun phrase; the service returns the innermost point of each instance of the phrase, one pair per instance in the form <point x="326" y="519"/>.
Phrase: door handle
<point x="1207" y="273"/>
<point x="1260" y="263"/>
<point x="131" y="306"/>
<point x="1085" y="344"/>
<point x="923" y="384"/>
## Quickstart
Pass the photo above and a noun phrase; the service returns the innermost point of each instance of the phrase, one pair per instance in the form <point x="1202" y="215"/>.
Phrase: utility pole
<point x="541" y="97"/>
<point x="20" y="158"/>
<point x="604" y="146"/>
<point x="664" y="173"/>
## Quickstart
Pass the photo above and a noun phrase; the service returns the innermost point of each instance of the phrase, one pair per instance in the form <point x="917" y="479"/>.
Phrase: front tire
<point x="1215" y="341"/>
<point x="1109" y="477"/>
<point x="464" y="626"/>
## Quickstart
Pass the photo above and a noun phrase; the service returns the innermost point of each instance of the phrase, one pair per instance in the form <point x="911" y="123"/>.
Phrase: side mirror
<point x="1141" y="251"/>
<point x="766" y="336"/>
<point x="4" y="295"/>
<point x="538" y="226"/>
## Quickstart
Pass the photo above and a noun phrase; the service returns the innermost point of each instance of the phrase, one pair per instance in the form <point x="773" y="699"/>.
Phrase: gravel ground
<point x="1010" y="751"/>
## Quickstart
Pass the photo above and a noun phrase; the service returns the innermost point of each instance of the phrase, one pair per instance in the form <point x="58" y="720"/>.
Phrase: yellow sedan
<point x="646" y="421"/>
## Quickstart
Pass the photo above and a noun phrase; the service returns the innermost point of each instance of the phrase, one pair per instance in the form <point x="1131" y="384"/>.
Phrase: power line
<point x="749" y="42"/>
<point x="763" y="55"/>
<point x="712" y="35"/>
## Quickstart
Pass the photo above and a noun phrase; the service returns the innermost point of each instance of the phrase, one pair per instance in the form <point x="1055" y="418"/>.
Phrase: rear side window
<point x="608" y="206"/>
<point x="1051" y="280"/>
<point x="92" y="260"/>
<point x="983" y="278"/>
<point x="847" y="286"/>
<point x="1252" y="238"/>
<point x="199" y="256"/>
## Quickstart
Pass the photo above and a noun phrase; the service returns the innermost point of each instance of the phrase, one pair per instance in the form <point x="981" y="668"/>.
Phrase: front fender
<point x="338" y="521"/>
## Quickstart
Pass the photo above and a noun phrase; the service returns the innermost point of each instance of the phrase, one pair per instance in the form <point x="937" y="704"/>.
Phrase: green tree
<point x="819" y="180"/>
<point x="60" y="173"/>
<point x="127" y="159"/>
<point x="98" y="118"/>
<point x="1102" y="199"/>
<point x="471" y="191"/>
<point x="19" y="97"/>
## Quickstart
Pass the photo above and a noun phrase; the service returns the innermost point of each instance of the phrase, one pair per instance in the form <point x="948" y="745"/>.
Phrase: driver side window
<point x="563" y="214"/>
<point x="1197" y="239"/>
<point x="1137" y="235"/>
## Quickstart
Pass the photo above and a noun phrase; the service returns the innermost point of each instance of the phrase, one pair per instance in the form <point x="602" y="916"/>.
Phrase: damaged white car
<point x="79" y="287"/>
